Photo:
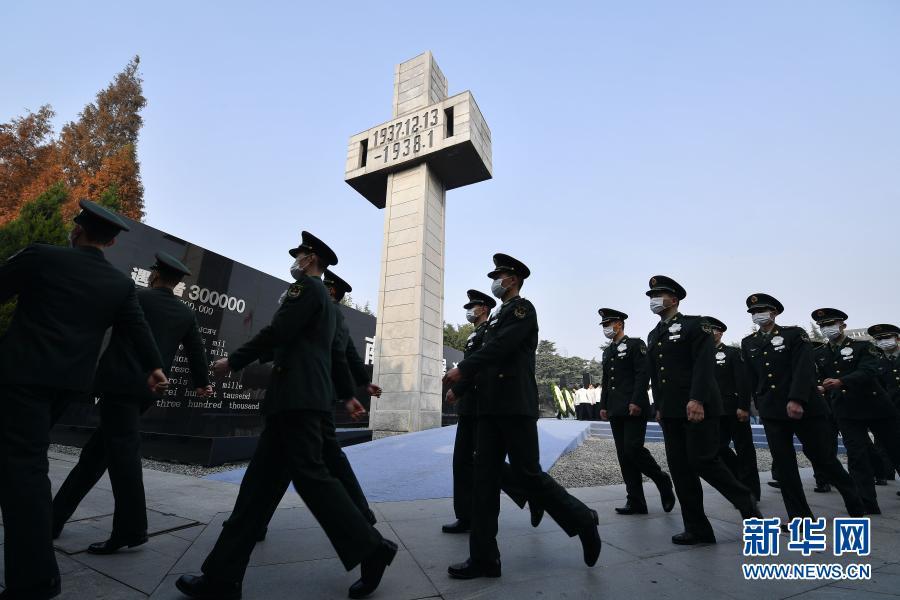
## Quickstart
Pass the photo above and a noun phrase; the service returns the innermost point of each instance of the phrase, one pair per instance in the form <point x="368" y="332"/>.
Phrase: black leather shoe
<point x="822" y="488"/>
<point x="881" y="482"/>
<point x="774" y="484"/>
<point x="537" y="513"/>
<point x="752" y="512"/>
<point x="628" y="509"/>
<point x="372" y="569"/>
<point x="458" y="526"/>
<point x="205" y="589"/>
<point x="473" y="569"/>
<point x="262" y="535"/>
<point x="370" y="516"/>
<point x="113" y="545"/>
<point x="590" y="541"/>
<point x="686" y="538"/>
<point x="667" y="495"/>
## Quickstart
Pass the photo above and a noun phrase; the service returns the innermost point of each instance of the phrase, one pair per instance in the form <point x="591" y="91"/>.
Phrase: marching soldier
<point x="465" y="394"/>
<point x="333" y="456"/>
<point x="681" y="362"/>
<point x="297" y="408"/>
<point x="734" y="424"/>
<point x="850" y="375"/>
<point x="782" y="377"/>
<point x="624" y="402"/>
<point x="116" y="443"/>
<point x="886" y="340"/>
<point x="503" y="371"/>
<point x="67" y="298"/>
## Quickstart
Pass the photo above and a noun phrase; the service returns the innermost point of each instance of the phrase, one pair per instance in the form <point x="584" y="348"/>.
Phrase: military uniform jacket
<point x="466" y="391"/>
<point x="855" y="363"/>
<point x="67" y="299"/>
<point x="680" y="361"/>
<point x="503" y="368"/>
<point x="890" y="376"/>
<point x="354" y="369"/>
<point x="780" y="368"/>
<point x="625" y="378"/>
<point x="172" y="324"/>
<point x="306" y="353"/>
<point x="731" y="375"/>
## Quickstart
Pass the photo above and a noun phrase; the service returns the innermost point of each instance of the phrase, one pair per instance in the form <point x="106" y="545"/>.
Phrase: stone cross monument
<point x="405" y="166"/>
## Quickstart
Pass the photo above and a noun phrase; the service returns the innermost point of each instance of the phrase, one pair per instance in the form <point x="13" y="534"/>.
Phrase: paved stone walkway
<point x="296" y="561"/>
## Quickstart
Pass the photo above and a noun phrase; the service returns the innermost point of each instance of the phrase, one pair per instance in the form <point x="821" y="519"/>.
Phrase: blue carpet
<point x="417" y="466"/>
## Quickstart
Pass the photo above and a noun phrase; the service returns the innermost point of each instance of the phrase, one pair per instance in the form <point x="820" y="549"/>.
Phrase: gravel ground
<point x="168" y="467"/>
<point x="594" y="463"/>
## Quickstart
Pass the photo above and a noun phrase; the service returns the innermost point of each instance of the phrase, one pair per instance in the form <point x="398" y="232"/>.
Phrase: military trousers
<point x="26" y="415"/>
<point x="515" y="437"/>
<point x="291" y="440"/>
<point x="855" y="433"/>
<point x="741" y="461"/>
<point x="114" y="445"/>
<point x="464" y="470"/>
<point x="833" y="432"/>
<point x="815" y="435"/>
<point x="634" y="458"/>
<point x="692" y="451"/>
<point x="338" y="465"/>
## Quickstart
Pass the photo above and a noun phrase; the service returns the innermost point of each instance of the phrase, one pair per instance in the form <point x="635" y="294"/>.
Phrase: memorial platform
<point x="296" y="560"/>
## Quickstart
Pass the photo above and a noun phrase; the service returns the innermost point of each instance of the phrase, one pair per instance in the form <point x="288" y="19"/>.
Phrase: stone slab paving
<point x="297" y="561"/>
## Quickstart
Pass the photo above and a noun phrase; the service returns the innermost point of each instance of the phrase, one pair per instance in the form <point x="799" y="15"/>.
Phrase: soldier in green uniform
<point x="625" y="403"/>
<point x="849" y="373"/>
<point x="465" y="395"/>
<point x="297" y="407"/>
<point x="67" y="299"/>
<point x="886" y="338"/>
<point x="734" y="424"/>
<point x="782" y="377"/>
<point x="503" y="371"/>
<point x="119" y="383"/>
<point x="333" y="456"/>
<point x="681" y="363"/>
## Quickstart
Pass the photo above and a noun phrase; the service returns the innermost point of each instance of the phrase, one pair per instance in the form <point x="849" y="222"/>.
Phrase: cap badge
<point x="653" y="281"/>
<point x="754" y="299"/>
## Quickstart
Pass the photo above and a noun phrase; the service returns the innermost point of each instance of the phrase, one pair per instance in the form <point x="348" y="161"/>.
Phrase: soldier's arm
<point x="741" y="384"/>
<point x="604" y="396"/>
<point x="704" y="356"/>
<point x="641" y="376"/>
<point x="130" y="320"/>
<point x="290" y="319"/>
<point x="866" y="370"/>
<point x="340" y="370"/>
<point x="510" y="334"/>
<point x="803" y="369"/>
<point x="196" y="355"/>
<point x="16" y="271"/>
<point x="355" y="362"/>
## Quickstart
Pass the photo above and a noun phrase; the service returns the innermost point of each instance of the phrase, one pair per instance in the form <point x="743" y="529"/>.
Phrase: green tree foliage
<point x="348" y="301"/>
<point x="455" y="336"/>
<point x="39" y="221"/>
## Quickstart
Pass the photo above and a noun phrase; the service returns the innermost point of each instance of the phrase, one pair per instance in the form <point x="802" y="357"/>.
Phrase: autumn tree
<point x="95" y="156"/>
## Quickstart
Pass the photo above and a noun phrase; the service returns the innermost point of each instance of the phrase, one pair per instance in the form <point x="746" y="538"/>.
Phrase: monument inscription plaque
<point x="405" y="166"/>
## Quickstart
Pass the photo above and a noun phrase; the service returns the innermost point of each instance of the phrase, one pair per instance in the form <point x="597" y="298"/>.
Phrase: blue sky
<point x="737" y="148"/>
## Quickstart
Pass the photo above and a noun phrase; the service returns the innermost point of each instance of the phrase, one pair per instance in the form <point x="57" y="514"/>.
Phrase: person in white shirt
<point x="583" y="407"/>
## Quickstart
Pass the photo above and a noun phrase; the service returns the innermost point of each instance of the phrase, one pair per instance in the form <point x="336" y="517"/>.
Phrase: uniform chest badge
<point x="520" y="312"/>
<point x="675" y="328"/>
<point x="295" y="290"/>
<point x="471" y="335"/>
<point x="621" y="347"/>
<point x="777" y="341"/>
<point x="720" y="356"/>
<point x="846" y="351"/>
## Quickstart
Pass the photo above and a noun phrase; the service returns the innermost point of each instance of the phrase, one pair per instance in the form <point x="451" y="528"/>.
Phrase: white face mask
<point x="296" y="270"/>
<point x="470" y="315"/>
<point x="886" y="343"/>
<point x="657" y="305"/>
<point x="497" y="288"/>
<point x="832" y="332"/>
<point x="762" y="318"/>
<point x="609" y="332"/>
